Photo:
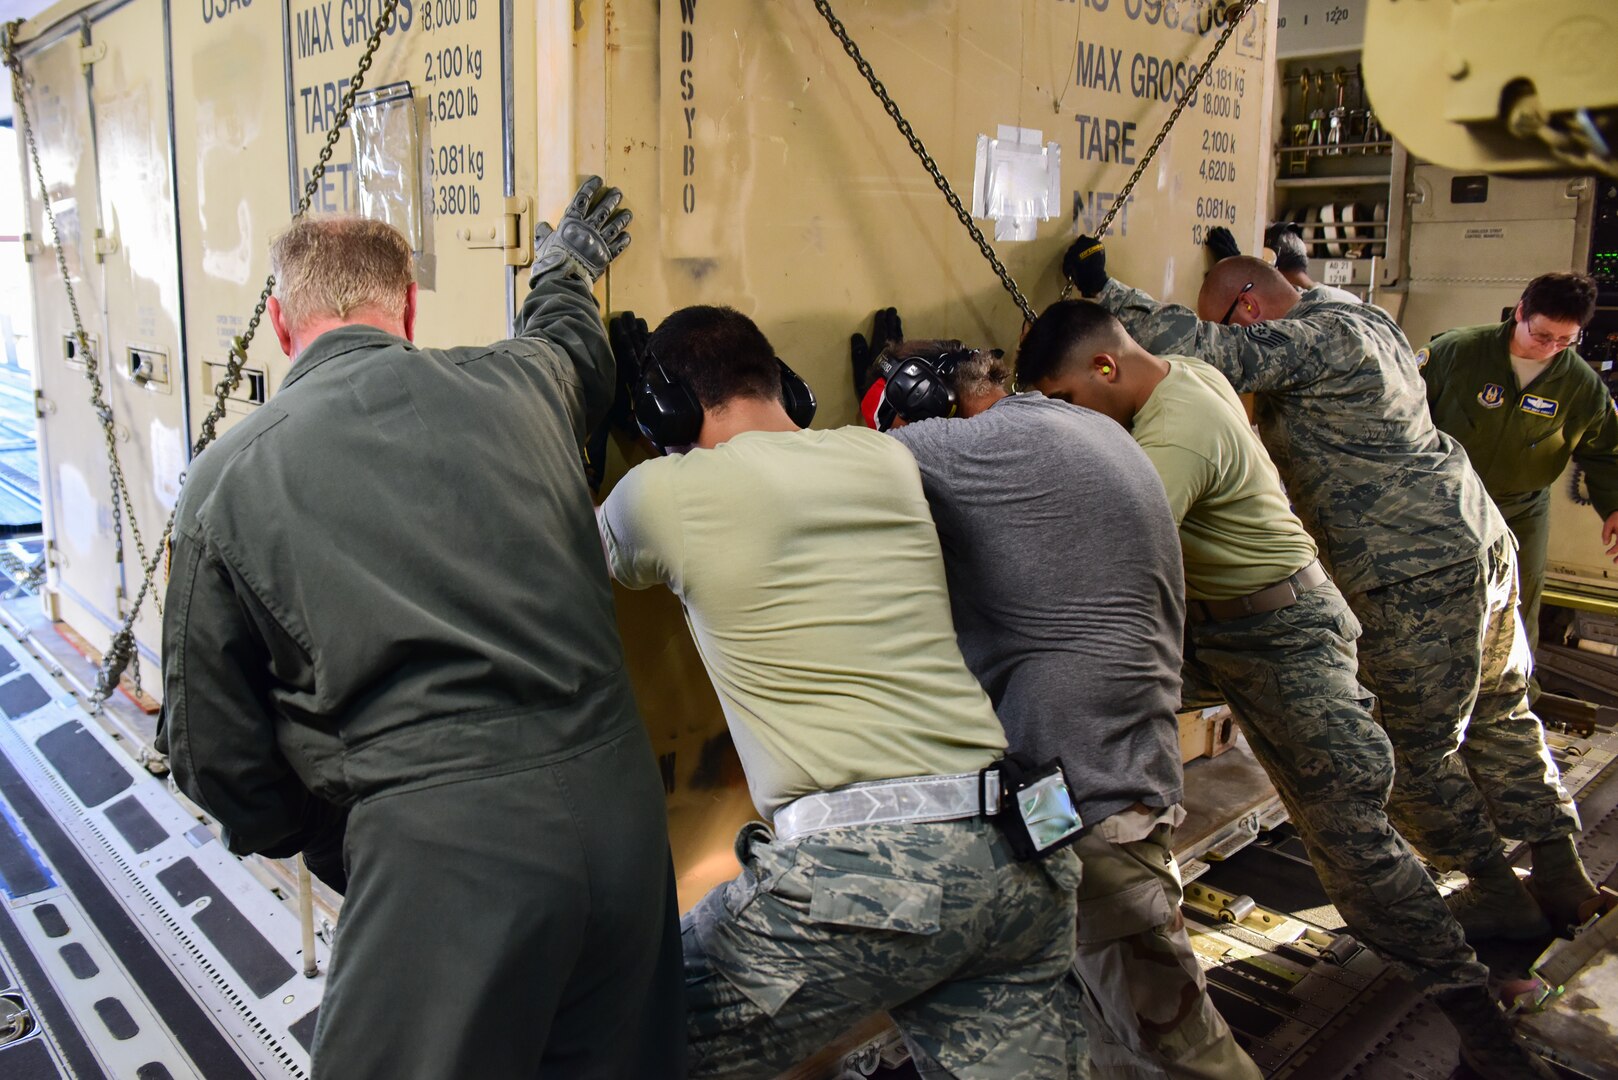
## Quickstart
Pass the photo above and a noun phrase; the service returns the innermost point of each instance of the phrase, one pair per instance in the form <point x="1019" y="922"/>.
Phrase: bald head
<point x="1249" y="289"/>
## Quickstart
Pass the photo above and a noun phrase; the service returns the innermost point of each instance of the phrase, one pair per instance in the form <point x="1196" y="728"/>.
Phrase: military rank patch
<point x="1267" y="335"/>
<point x="1539" y="406"/>
<point x="1492" y="396"/>
<point x="1423" y="355"/>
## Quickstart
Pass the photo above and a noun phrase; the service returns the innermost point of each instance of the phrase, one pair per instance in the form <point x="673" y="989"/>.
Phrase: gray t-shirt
<point x="1066" y="584"/>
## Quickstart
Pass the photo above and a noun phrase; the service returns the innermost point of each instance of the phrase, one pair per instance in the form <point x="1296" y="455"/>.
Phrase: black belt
<point x="1282" y="594"/>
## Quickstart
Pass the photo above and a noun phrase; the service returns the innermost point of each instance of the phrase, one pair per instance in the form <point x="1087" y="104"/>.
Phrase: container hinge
<point x="105" y="245"/>
<point x="30" y="247"/>
<point x="511" y="232"/>
<point x="89" y="54"/>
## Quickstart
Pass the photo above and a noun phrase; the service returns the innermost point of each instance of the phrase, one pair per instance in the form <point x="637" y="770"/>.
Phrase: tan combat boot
<point x="1489" y="1046"/>
<point x="1560" y="885"/>
<point x="1494" y="904"/>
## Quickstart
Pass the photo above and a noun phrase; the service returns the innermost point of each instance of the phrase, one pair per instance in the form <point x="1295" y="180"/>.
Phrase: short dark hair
<point x="1051" y="340"/>
<point x="1286" y="241"/>
<point x="719" y="353"/>
<point x="1561" y="296"/>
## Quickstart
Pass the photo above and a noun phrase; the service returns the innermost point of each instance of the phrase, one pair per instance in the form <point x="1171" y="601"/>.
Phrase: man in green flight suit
<point x="1421" y="555"/>
<point x="387" y="594"/>
<point x="1522" y="401"/>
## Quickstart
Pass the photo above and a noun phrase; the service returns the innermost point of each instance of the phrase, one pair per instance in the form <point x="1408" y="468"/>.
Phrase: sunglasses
<point x="1232" y="309"/>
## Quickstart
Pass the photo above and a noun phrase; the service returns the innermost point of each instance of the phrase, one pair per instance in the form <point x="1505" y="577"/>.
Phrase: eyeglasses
<point x="1539" y="337"/>
<point x="1232" y="309"/>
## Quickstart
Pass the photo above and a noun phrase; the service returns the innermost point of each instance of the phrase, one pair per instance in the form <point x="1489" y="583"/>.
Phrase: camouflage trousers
<point x="1446" y="656"/>
<point x="935" y="923"/>
<point x="1145" y="1002"/>
<point x="1289" y="677"/>
<point x="1530" y="523"/>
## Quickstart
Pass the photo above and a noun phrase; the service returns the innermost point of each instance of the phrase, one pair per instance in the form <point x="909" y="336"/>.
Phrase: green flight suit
<point x="388" y="595"/>
<point x="1418" y="549"/>
<point x="1521" y="437"/>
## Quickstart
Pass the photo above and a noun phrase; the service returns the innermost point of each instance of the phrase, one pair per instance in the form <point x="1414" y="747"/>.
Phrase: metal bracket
<point x="105" y="245"/>
<point x="30" y="247"/>
<point x="511" y="232"/>
<point x="89" y="54"/>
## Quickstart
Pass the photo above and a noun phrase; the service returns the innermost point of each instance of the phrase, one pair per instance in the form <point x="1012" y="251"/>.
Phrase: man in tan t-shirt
<point x="1271" y="634"/>
<point x="814" y="586"/>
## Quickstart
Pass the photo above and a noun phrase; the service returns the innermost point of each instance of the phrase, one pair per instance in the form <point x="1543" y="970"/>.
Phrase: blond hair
<point x="334" y="266"/>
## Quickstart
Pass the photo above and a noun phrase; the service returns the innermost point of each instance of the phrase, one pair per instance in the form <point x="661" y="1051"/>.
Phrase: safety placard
<point x="785" y="186"/>
<point x="431" y="123"/>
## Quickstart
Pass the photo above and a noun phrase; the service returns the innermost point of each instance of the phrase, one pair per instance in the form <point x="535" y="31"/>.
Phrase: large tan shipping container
<point x="762" y="171"/>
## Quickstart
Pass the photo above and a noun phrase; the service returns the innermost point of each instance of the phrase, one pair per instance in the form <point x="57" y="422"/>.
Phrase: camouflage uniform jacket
<point x="1343" y="410"/>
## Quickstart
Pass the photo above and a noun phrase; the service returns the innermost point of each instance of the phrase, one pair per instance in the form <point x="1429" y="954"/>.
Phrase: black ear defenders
<point x="796" y="397"/>
<point x="916" y="388"/>
<point x="669" y="413"/>
<point x="666" y="410"/>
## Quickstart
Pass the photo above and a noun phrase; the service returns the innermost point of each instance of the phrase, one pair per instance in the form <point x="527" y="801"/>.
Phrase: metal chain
<point x="1233" y="17"/>
<point x="927" y="161"/>
<point x="121" y="653"/>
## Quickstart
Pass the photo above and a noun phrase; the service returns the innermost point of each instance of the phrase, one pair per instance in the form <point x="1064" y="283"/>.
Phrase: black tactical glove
<point x="886" y="329"/>
<point x="1085" y="265"/>
<point x="627" y="334"/>
<point x="1222" y="243"/>
<point x="323" y="852"/>
<point x="589" y="236"/>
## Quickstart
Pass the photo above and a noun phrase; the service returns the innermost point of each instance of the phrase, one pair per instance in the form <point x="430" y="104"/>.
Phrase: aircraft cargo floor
<point x="133" y="945"/>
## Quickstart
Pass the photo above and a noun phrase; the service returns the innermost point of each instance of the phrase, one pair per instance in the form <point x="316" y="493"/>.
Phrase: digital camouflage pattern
<point x="1145" y="1000"/>
<point x="1531" y="525"/>
<point x="966" y="949"/>
<point x="1447" y="658"/>
<point x="1342" y="408"/>
<point x="1289" y="676"/>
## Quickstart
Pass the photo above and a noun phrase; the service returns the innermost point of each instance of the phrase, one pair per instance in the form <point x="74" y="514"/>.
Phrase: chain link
<point x="927" y="161"/>
<point x="1233" y="18"/>
<point x="121" y="653"/>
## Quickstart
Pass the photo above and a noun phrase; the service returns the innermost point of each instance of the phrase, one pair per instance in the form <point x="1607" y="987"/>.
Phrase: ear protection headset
<point x="669" y="413"/>
<point x="912" y="388"/>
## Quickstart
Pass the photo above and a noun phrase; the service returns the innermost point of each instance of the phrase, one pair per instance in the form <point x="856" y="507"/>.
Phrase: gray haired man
<point x="387" y="595"/>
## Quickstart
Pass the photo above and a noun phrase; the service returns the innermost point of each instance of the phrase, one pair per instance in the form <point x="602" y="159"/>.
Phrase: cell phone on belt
<point x="1035" y="810"/>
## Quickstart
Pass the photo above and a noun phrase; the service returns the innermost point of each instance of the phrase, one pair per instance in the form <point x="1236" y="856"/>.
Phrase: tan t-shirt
<point x="1237" y="532"/>
<point x="814" y="586"/>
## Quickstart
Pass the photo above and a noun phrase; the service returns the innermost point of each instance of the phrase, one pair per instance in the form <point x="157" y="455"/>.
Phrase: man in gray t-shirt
<point x="1067" y="588"/>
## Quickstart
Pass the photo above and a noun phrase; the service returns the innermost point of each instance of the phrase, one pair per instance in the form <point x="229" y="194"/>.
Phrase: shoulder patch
<point x="1539" y="406"/>
<point x="1423" y="355"/>
<point x="1267" y="335"/>
<point x="1492" y="396"/>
